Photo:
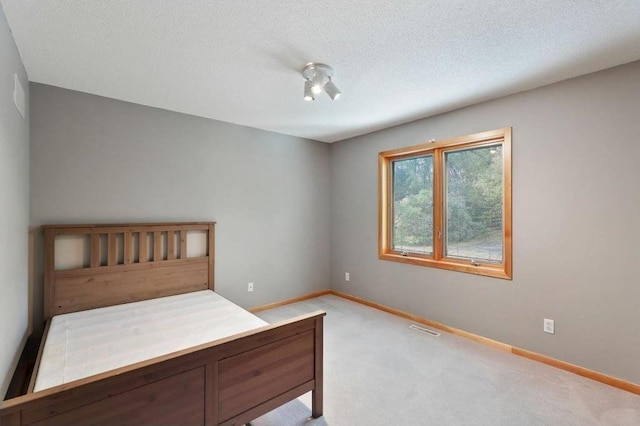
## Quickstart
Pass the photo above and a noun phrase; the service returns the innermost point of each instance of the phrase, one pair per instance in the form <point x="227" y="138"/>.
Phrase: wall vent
<point x="424" y="330"/>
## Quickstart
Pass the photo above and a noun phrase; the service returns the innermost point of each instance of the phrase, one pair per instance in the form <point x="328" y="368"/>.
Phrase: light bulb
<point x="318" y="82"/>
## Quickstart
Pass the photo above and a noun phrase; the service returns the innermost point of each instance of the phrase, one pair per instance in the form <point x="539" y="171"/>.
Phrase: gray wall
<point x="14" y="209"/>
<point x="576" y="221"/>
<point x="101" y="160"/>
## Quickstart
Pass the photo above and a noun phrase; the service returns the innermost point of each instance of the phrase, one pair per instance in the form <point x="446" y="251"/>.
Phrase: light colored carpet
<point x="377" y="371"/>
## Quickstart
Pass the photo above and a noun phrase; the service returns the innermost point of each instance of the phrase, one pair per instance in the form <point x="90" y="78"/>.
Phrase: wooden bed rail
<point x="143" y="259"/>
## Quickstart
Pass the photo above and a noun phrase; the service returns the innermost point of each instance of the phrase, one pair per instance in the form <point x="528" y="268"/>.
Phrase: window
<point x="447" y="204"/>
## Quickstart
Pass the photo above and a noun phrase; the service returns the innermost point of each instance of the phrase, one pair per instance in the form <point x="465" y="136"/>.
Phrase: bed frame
<point x="230" y="381"/>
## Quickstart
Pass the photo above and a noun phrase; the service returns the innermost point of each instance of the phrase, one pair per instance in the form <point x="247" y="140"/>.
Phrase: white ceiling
<point x="395" y="61"/>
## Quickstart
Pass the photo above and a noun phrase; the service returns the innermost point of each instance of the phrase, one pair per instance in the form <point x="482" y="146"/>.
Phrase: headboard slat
<point x="183" y="244"/>
<point x="171" y="245"/>
<point x="95" y="250"/>
<point x="157" y="246"/>
<point x="112" y="249"/>
<point x="128" y="249"/>
<point x="143" y="251"/>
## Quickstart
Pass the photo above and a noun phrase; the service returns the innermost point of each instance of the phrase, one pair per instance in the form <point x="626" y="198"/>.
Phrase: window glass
<point x="474" y="204"/>
<point x="413" y="205"/>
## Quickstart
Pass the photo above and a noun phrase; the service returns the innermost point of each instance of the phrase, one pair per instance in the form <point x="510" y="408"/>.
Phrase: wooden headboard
<point x="125" y="263"/>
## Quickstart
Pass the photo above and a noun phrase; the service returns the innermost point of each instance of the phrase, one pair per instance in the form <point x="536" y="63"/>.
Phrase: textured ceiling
<point x="395" y="61"/>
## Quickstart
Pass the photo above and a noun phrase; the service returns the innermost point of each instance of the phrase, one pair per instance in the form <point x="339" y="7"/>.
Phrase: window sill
<point x="486" y="269"/>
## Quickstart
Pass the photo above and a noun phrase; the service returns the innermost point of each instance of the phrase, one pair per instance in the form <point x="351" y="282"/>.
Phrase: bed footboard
<point x="227" y="382"/>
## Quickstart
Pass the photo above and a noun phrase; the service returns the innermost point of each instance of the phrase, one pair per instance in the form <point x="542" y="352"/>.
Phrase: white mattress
<point x="85" y="343"/>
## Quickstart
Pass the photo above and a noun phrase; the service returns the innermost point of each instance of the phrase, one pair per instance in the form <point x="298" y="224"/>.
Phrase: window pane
<point x="413" y="205"/>
<point x="474" y="204"/>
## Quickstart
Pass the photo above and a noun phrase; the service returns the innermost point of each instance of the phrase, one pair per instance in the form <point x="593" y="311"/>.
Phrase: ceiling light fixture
<point x="318" y="78"/>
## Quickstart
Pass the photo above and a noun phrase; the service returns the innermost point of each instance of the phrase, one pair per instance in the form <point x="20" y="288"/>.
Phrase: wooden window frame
<point x="438" y="149"/>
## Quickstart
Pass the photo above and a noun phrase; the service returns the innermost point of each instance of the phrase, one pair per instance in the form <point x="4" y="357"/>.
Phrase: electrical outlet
<point x="250" y="287"/>
<point x="549" y="326"/>
<point x="346" y="276"/>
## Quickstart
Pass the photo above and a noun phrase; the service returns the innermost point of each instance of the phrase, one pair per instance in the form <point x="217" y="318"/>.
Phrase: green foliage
<point x="414" y="219"/>
<point x="413" y="203"/>
<point x="474" y="193"/>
